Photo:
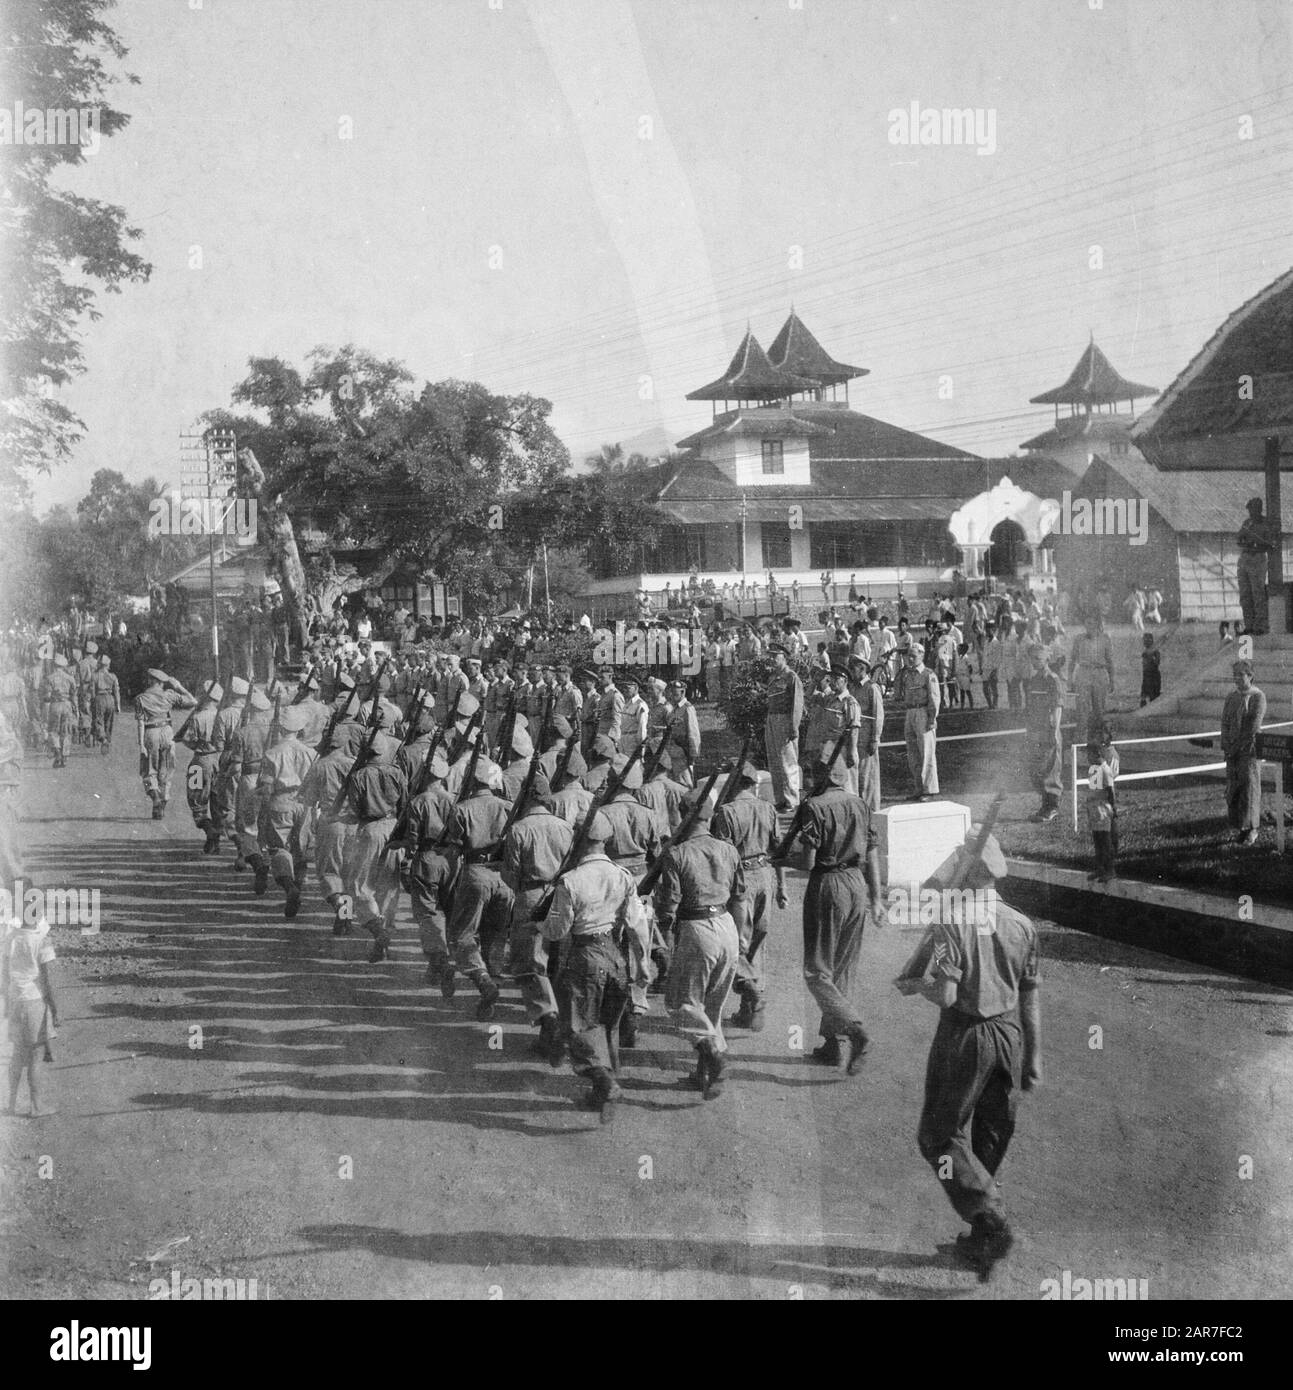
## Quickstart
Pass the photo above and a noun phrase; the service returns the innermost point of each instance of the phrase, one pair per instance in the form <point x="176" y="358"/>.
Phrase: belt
<point x="591" y="932"/>
<point x="751" y="859"/>
<point x="528" y="885"/>
<point x="702" y="914"/>
<point x="480" y="856"/>
<point x="165" y="725"/>
<point x="834" y="868"/>
<point x="372" y="820"/>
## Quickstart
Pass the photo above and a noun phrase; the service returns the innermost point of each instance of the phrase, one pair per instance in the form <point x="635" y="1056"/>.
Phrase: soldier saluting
<point x="156" y="740"/>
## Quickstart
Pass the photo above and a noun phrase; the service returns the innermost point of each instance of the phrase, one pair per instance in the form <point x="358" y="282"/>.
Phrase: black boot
<point x="381" y="941"/>
<point x="489" y="993"/>
<point x="828" y="1054"/>
<point x="628" y="1029"/>
<point x="715" y="1067"/>
<point x="603" y="1095"/>
<point x="260" y="883"/>
<point x="551" y="1043"/>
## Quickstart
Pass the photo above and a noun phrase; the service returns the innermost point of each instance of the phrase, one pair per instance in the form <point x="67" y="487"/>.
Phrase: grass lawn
<point x="1171" y="831"/>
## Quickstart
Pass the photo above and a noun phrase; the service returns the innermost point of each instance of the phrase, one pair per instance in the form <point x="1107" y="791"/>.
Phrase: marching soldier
<point x="246" y="749"/>
<point x="105" y="703"/>
<point x="844" y="884"/>
<point x="599" y="761"/>
<point x="224" y="784"/>
<point x="569" y="798"/>
<point x="533" y="851"/>
<point x="331" y="833"/>
<point x="982" y="971"/>
<point x="156" y="739"/>
<point x="85" y="669"/>
<point x="595" y="911"/>
<point x="316" y="713"/>
<point x="482" y="902"/>
<point x="433" y="866"/>
<point x="657" y="713"/>
<point x="919" y="695"/>
<point x="413" y="753"/>
<point x="376" y="797"/>
<point x="750" y="824"/>
<point x="283" y="771"/>
<point x="700" y="885"/>
<point x="60" y="697"/>
<point x="662" y="796"/>
<point x="514" y="764"/>
<point x="198" y="738"/>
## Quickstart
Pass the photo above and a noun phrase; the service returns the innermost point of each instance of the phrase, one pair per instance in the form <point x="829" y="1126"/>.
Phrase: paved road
<point x="472" y="1175"/>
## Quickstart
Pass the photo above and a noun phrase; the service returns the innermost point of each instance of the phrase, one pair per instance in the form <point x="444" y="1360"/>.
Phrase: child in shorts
<point x="25" y="957"/>
<point x="1102" y="808"/>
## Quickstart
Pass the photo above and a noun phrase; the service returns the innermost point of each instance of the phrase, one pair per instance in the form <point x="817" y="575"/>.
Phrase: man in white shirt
<point x="31" y="1008"/>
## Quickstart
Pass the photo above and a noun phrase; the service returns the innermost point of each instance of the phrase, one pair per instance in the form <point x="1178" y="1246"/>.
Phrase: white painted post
<point x="1279" y="806"/>
<point x="1073" y="770"/>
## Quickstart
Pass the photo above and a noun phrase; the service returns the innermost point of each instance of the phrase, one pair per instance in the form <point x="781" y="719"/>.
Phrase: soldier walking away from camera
<point x="156" y="738"/>
<point x="840" y="848"/>
<point x="1241" y="722"/>
<point x="982" y="972"/>
<point x="60" y="697"/>
<point x="701" y="886"/>
<point x="224" y="786"/>
<point x="432" y="864"/>
<point x="283" y="771"/>
<point x="105" y="703"/>
<point x="332" y="833"/>
<point x="376" y="796"/>
<point x="247" y="748"/>
<point x="85" y="669"/>
<point x="197" y="736"/>
<point x="750" y="824"/>
<point x="592" y="915"/>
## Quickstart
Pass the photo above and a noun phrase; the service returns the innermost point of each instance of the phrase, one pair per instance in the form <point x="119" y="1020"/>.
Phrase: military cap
<point x="91" y="648"/>
<point x="563" y="666"/>
<point x="599" y="830"/>
<point x="604" y="746"/>
<point x="778" y="647"/>
<point x="561" y="726"/>
<point x="468" y="704"/>
<point x="345" y="681"/>
<point x="260" y="701"/>
<point x="698" y="801"/>
<point x="439" y="766"/>
<point x="238" y="686"/>
<point x="155" y="675"/>
<point x="584" y="674"/>
<point x="347" y="737"/>
<point x="293" y="719"/>
<point x="916" y="649"/>
<point x="633" y="778"/>
<point x="385" y="747"/>
<point x="628" y="678"/>
<point x="487" y="773"/>
<point x="213" y="688"/>
<point x="749" y="773"/>
<point x="662" y="761"/>
<point x="105" y="660"/>
<point x="656" y="684"/>
<point x="60" y="660"/>
<point x="522" y="743"/>
<point x="576" y="767"/>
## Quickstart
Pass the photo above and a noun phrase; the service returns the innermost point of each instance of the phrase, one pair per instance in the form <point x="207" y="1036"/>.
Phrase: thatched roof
<point x="1094" y="382"/>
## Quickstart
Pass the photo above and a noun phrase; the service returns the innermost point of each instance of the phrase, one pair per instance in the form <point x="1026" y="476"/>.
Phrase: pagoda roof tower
<point x="750" y="376"/>
<point x="794" y="349"/>
<point x="1093" y="382"/>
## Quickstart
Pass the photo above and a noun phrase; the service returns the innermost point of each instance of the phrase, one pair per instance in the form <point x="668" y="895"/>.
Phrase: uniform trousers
<point x="922" y="757"/>
<point x="1046" y="761"/>
<point x="528" y="953"/>
<point x="279" y="823"/>
<point x="781" y="743"/>
<point x="60" y="720"/>
<point x="431" y="879"/>
<point x="371" y="877"/>
<point x="835" y="908"/>
<point x="868" y="778"/>
<point x="158" y="761"/>
<point x="331" y="840"/>
<point x="198" y="779"/>
<point x="1252" y="592"/>
<point x="971" y="1095"/>
<point x="1092" y="692"/>
<point x="752" y="913"/>
<point x="592" y="991"/>
<point x="482" y="908"/>
<point x="701" y="975"/>
<point x="104" y="712"/>
<point x="246" y="828"/>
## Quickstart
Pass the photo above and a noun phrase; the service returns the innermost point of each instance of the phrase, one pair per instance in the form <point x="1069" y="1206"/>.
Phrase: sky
<point x="591" y="200"/>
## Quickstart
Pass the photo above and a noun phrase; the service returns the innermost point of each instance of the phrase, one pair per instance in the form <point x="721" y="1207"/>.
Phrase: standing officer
<point x="781" y="730"/>
<point x="633" y="726"/>
<point x="868" y="693"/>
<point x="60" y="697"/>
<point x="981" y="969"/>
<point x="570" y="701"/>
<point x="587" y="711"/>
<point x="283" y="771"/>
<point x="1257" y="539"/>
<point x="750" y="823"/>
<point x="842" y="714"/>
<point x="536" y="701"/>
<point x="200" y="775"/>
<point x="533" y="851"/>
<point x="496" y="700"/>
<point x="156" y="747"/>
<point x="920" y="697"/>
<point x="610" y="707"/>
<point x="1044" y="711"/>
<point x="682" y="742"/>
<point x="482" y="902"/>
<point x="105" y="703"/>
<point x="1092" y="675"/>
<point x="843" y="885"/>
<point x="595" y="911"/>
<point x="701" y="884"/>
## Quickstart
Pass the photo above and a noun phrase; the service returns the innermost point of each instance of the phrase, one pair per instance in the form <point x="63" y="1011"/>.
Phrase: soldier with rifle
<point x="700" y="883"/>
<point x="224" y="784"/>
<point x="536" y="843"/>
<point x="596" y="917"/>
<point x="567" y="795"/>
<point x="283" y="771"/>
<point x="331" y="833"/>
<point x="660" y="794"/>
<point x="315" y="711"/>
<point x="749" y="822"/>
<point x="197" y="735"/>
<point x="250" y="742"/>
<point x="375" y="791"/>
<point x="840" y="847"/>
<point x="482" y="902"/>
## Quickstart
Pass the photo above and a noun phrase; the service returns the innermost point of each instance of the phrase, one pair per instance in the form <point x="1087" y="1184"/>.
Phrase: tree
<point x="58" y="245"/>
